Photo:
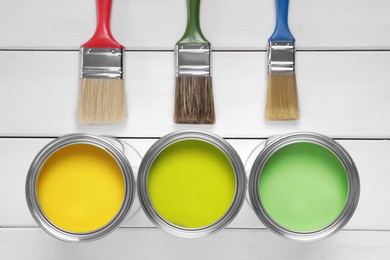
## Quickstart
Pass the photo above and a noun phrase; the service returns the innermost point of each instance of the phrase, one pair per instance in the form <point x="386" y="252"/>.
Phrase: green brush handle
<point x="193" y="33"/>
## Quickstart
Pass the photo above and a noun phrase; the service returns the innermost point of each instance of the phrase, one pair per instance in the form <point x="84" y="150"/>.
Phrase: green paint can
<point x="303" y="186"/>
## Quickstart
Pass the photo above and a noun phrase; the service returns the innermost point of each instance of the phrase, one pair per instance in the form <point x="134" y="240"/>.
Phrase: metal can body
<point x="152" y="154"/>
<point x="32" y="178"/>
<point x="276" y="143"/>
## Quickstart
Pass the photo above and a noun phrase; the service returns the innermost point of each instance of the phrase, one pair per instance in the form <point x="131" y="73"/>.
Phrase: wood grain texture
<point x="340" y="94"/>
<point x="34" y="244"/>
<point x="228" y="24"/>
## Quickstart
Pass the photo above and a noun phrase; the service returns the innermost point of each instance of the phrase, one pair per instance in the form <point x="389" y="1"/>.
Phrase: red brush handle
<point x="103" y="37"/>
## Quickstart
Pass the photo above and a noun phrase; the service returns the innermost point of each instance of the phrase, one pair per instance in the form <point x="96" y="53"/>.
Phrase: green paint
<point x="303" y="187"/>
<point x="191" y="184"/>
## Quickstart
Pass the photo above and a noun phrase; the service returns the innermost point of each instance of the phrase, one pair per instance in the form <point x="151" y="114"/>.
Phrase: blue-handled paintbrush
<point x="282" y="101"/>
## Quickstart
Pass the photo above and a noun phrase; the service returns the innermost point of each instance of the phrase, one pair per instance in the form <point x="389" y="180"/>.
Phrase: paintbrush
<point x="102" y="97"/>
<point x="282" y="101"/>
<point x="194" y="101"/>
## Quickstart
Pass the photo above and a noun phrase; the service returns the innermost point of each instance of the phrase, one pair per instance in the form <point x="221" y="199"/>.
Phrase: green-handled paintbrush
<point x="282" y="101"/>
<point x="102" y="97"/>
<point x="194" y="101"/>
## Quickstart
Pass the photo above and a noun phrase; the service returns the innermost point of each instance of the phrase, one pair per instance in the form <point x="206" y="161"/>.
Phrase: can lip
<point x="46" y="152"/>
<point x="274" y="144"/>
<point x="148" y="160"/>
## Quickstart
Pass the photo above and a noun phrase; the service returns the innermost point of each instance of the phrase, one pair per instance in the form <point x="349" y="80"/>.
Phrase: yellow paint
<point x="80" y="188"/>
<point x="191" y="184"/>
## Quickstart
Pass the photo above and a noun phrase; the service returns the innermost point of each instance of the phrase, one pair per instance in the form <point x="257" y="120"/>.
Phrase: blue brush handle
<point x="282" y="32"/>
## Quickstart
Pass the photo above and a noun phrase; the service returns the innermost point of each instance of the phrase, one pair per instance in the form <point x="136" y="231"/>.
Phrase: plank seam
<point x="227" y="138"/>
<point x="229" y="228"/>
<point x="214" y="50"/>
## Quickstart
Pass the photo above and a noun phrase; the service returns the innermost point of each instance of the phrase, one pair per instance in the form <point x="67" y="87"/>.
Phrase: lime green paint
<point x="193" y="33"/>
<point x="191" y="184"/>
<point x="303" y="187"/>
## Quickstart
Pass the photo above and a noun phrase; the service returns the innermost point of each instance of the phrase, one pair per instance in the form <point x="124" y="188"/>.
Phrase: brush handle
<point x="103" y="37"/>
<point x="282" y="32"/>
<point x="193" y="33"/>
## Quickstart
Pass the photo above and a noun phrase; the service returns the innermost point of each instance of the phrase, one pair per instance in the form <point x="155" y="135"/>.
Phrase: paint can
<point x="116" y="151"/>
<point x="312" y="157"/>
<point x="166" y="170"/>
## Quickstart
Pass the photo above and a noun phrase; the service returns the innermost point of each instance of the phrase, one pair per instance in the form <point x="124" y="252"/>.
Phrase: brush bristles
<point x="282" y="100"/>
<point x="101" y="101"/>
<point x="194" y="101"/>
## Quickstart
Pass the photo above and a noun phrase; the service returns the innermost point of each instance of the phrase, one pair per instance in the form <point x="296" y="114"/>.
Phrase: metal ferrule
<point x="193" y="60"/>
<point x="101" y="63"/>
<point x="281" y="57"/>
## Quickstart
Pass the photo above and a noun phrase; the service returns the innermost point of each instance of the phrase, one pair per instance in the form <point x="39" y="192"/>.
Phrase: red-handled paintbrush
<point x="102" y="97"/>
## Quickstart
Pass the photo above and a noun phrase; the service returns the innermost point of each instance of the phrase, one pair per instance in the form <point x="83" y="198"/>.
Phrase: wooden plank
<point x="341" y="94"/>
<point x="229" y="244"/>
<point x="370" y="156"/>
<point x="228" y="24"/>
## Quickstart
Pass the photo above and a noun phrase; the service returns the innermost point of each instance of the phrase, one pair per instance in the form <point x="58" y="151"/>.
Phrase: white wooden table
<point x="343" y="73"/>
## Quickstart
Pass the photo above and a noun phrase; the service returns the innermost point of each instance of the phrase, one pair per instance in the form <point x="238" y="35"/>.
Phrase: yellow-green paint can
<point x="191" y="183"/>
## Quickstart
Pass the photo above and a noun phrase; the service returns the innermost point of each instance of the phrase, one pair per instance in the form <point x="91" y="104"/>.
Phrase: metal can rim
<point x="275" y="143"/>
<point x="46" y="152"/>
<point x="212" y="139"/>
